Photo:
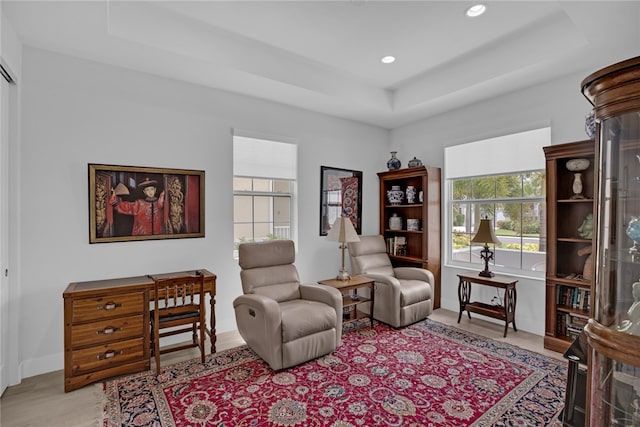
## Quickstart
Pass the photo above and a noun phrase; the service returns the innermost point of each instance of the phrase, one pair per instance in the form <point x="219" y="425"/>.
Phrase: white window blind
<point x="263" y="158"/>
<point x="502" y="155"/>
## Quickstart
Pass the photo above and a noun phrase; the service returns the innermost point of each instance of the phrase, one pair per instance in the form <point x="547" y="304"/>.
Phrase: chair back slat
<point x="178" y="301"/>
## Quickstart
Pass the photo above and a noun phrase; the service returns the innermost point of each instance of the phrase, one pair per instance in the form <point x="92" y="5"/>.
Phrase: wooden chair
<point x="178" y="302"/>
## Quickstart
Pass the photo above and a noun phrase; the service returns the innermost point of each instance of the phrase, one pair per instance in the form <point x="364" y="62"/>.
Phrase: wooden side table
<point x="506" y="312"/>
<point x="353" y="299"/>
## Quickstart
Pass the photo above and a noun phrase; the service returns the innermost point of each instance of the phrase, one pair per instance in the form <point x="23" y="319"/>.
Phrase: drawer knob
<point x="108" y="354"/>
<point x="108" y="330"/>
<point x="109" y="306"/>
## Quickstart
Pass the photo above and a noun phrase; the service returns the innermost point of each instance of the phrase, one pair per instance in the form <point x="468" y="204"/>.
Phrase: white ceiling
<point x="325" y="55"/>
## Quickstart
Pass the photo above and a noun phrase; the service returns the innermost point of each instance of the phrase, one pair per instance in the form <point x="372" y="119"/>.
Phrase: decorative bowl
<point x="577" y="165"/>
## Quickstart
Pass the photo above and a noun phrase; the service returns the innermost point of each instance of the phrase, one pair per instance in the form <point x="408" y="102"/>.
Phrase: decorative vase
<point x="395" y="195"/>
<point x="577" y="186"/>
<point x="590" y="125"/>
<point x="577" y="166"/>
<point x="411" y="194"/>
<point x="414" y="162"/>
<point x="394" y="163"/>
<point x="395" y="222"/>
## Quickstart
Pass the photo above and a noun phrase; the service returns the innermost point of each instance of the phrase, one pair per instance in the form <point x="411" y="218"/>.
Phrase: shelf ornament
<point x="577" y="166"/>
<point x="633" y="231"/>
<point x="632" y="325"/>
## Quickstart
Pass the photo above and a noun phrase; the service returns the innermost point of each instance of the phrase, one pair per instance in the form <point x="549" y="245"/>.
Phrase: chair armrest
<point x="414" y="273"/>
<point x="259" y="323"/>
<point x="382" y="279"/>
<point x="268" y="307"/>
<point x="388" y="287"/>
<point x="328" y="295"/>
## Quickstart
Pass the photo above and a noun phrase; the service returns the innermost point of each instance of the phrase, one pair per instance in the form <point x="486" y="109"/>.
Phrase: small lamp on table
<point x="485" y="236"/>
<point x="342" y="231"/>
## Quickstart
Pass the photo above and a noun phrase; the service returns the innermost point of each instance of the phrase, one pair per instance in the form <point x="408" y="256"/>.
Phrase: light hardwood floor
<point x="41" y="400"/>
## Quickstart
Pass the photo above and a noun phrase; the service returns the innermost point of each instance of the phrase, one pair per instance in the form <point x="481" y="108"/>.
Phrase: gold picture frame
<point x="128" y="203"/>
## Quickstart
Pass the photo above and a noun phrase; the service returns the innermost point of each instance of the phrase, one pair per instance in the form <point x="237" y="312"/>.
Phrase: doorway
<point x="6" y="89"/>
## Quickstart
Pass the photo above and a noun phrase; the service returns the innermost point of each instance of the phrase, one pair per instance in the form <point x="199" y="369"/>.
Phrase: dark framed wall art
<point x="340" y="194"/>
<point x="143" y="203"/>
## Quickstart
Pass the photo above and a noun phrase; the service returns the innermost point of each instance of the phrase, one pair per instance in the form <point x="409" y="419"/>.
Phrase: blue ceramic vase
<point x="394" y="163"/>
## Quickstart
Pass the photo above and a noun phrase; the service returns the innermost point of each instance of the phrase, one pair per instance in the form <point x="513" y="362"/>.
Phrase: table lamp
<point x="484" y="236"/>
<point x="342" y="231"/>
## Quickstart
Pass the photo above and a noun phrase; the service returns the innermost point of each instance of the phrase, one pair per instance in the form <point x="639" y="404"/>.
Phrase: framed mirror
<point x="340" y="194"/>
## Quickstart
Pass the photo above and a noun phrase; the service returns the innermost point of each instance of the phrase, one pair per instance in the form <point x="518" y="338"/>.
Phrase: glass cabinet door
<point x="614" y="331"/>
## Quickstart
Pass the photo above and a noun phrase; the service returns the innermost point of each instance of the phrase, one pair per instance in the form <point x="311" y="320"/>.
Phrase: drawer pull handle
<point x="109" y="306"/>
<point x="108" y="354"/>
<point x="108" y="330"/>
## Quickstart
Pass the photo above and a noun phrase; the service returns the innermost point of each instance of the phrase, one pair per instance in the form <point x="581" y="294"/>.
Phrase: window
<point x="515" y="203"/>
<point x="263" y="190"/>
<point x="501" y="179"/>
<point x="261" y="209"/>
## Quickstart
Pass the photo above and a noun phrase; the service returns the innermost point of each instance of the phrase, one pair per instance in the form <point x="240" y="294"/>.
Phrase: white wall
<point x="558" y="104"/>
<point x="77" y="112"/>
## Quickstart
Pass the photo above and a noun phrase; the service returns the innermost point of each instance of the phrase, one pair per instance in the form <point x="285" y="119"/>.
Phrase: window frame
<point x="260" y="157"/>
<point x="522" y="199"/>
<point x="290" y="195"/>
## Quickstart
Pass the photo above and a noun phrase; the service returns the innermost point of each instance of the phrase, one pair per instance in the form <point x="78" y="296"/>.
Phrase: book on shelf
<point x="575" y="298"/>
<point x="570" y="325"/>
<point x="577" y="321"/>
<point x="397" y="245"/>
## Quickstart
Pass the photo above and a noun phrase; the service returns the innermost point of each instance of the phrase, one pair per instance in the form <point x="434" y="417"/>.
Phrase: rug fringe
<point x="101" y="403"/>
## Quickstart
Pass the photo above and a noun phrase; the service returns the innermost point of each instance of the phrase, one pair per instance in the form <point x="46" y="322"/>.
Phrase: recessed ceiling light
<point x="476" y="10"/>
<point x="388" y="59"/>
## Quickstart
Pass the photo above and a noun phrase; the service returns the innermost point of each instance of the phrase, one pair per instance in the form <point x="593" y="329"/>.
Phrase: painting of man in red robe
<point x="143" y="203"/>
<point x="147" y="212"/>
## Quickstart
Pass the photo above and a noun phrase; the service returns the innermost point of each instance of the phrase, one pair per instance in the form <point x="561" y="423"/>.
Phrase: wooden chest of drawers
<point x="106" y="331"/>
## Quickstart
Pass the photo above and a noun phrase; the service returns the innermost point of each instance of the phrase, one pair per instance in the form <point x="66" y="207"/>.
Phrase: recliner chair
<point x="403" y="294"/>
<point x="285" y="322"/>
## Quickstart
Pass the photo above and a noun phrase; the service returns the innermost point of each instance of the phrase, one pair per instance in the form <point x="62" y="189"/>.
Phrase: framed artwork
<point x="143" y="203"/>
<point x="340" y="194"/>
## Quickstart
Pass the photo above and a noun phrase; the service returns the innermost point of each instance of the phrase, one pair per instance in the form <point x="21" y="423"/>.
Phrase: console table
<point x="106" y="326"/>
<point x="506" y="311"/>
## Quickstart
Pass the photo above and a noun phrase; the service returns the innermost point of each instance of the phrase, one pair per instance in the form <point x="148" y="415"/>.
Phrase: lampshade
<point x="485" y="234"/>
<point x="342" y="231"/>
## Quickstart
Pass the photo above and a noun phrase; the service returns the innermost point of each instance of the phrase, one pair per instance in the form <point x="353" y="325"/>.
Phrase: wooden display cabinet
<point x="613" y="332"/>
<point x="568" y="293"/>
<point x="422" y="245"/>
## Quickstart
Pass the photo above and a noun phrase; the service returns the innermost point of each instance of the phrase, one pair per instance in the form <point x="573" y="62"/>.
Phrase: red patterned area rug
<point x="427" y="374"/>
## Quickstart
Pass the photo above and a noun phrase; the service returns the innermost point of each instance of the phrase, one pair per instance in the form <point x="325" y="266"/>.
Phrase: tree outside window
<point x="515" y="203"/>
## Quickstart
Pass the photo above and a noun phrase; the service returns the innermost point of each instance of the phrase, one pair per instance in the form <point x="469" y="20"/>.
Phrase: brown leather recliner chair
<point x="283" y="321"/>
<point x="403" y="294"/>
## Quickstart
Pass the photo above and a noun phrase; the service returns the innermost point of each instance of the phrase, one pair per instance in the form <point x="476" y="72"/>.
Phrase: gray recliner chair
<point x="283" y="321"/>
<point x="403" y="294"/>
